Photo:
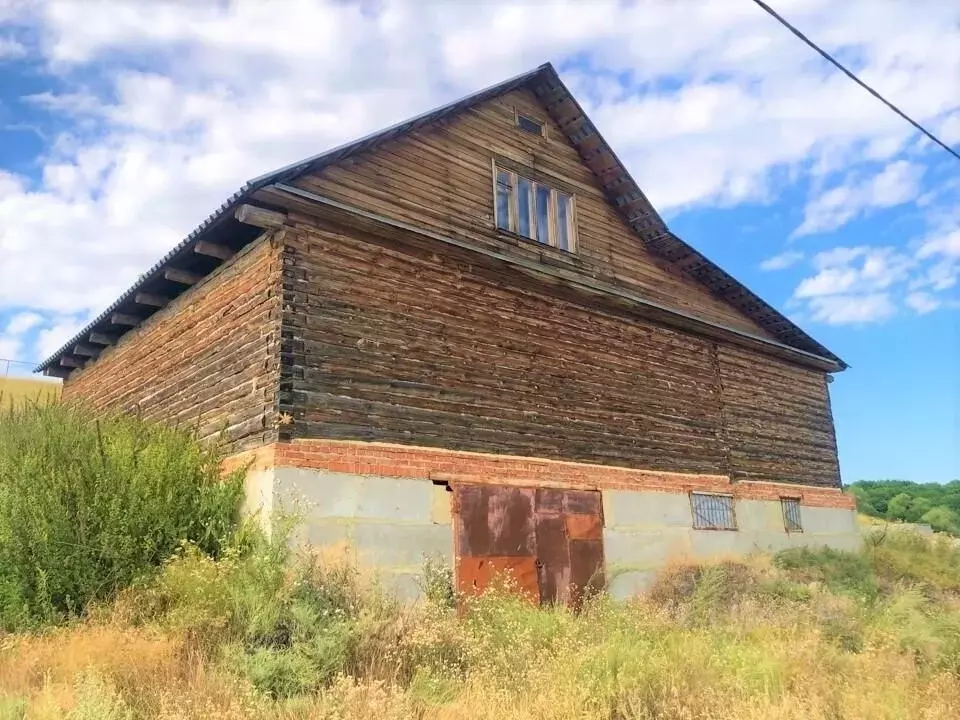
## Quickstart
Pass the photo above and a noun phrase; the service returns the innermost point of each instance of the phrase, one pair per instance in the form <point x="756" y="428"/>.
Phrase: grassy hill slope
<point x="803" y="635"/>
<point x="14" y="390"/>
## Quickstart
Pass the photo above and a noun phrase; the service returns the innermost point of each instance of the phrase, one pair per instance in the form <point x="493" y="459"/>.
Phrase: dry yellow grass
<point x="822" y="636"/>
<point x="761" y="660"/>
<point x="15" y="390"/>
<point x="786" y="673"/>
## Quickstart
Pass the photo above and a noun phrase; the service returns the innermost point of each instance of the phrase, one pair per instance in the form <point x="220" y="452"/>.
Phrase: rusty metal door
<point x="549" y="540"/>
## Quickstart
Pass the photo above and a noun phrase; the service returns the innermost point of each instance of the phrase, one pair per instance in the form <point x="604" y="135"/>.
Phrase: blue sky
<point x="122" y="125"/>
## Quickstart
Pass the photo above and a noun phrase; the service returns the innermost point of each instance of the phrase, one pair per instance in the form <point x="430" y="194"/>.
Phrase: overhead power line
<point x="836" y="63"/>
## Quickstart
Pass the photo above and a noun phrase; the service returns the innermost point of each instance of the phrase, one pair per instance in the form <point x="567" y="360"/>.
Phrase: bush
<point x="436" y="582"/>
<point x="87" y="506"/>
<point x="903" y="556"/>
<point x="839" y="570"/>
<point x="287" y="622"/>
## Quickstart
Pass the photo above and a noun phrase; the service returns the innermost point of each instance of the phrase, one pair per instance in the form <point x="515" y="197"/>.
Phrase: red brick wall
<point x="406" y="461"/>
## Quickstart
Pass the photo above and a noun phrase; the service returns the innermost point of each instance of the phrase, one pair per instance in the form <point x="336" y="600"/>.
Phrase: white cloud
<point x="838" y="256"/>
<point x="898" y="183"/>
<point x="75" y="104"/>
<point x="11" y="49"/>
<point x="22" y="322"/>
<point x="13" y="343"/>
<point x="947" y="245"/>
<point x="922" y="302"/>
<point x="839" y="271"/>
<point x="942" y="251"/>
<point x="865" y="284"/>
<point x="729" y="109"/>
<point x="10" y="185"/>
<point x="63" y="327"/>
<point x="950" y="129"/>
<point x="831" y="281"/>
<point x="782" y="261"/>
<point x="852" y="309"/>
<point x="10" y="349"/>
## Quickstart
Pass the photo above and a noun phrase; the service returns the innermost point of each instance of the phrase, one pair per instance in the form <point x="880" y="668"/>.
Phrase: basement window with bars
<point x="535" y="210"/>
<point x="791" y="514"/>
<point x="713" y="512"/>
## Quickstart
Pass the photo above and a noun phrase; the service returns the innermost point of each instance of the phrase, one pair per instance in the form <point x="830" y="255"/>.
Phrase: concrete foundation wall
<point x="392" y="524"/>
<point x="645" y="530"/>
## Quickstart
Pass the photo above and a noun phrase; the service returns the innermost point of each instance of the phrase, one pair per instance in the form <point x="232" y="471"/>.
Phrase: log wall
<point x="777" y="419"/>
<point x="366" y="336"/>
<point x="393" y="343"/>
<point x="440" y="178"/>
<point x="210" y="359"/>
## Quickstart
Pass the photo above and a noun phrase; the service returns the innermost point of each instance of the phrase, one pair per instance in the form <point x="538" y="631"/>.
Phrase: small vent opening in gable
<point x="528" y="124"/>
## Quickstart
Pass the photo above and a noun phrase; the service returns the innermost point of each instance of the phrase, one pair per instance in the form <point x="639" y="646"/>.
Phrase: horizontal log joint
<point x="101" y="338"/>
<point x="86" y="350"/>
<point x="124" y="319"/>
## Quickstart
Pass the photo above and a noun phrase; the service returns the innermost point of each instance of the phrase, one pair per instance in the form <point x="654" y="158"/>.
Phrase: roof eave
<point x="222" y="213"/>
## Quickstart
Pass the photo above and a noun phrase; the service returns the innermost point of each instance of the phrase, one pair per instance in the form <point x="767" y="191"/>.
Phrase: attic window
<point x="528" y="124"/>
<point x="535" y="210"/>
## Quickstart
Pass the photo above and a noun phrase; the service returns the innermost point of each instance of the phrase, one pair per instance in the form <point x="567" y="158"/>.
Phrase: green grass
<point x="264" y="632"/>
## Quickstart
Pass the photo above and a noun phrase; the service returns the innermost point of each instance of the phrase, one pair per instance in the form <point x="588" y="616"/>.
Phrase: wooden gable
<point x="432" y="176"/>
<point x="440" y="178"/>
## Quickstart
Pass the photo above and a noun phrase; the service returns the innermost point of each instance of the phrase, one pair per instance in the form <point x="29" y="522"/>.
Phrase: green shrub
<point x="97" y="700"/>
<point x="839" y="570"/>
<point x="904" y="556"/>
<point x="707" y="591"/>
<point x="942" y="519"/>
<point x="279" y="672"/>
<point x="288" y="622"/>
<point x="87" y="506"/>
<point x="436" y="582"/>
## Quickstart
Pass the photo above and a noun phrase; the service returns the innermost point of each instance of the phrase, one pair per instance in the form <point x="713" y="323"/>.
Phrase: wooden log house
<point x="471" y="335"/>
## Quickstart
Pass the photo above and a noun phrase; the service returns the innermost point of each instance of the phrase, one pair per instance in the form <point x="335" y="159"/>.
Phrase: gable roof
<point x="621" y="190"/>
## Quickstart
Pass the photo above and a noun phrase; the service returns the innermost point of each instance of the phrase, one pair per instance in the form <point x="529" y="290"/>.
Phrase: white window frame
<point x="513" y="225"/>
<point x="730" y="512"/>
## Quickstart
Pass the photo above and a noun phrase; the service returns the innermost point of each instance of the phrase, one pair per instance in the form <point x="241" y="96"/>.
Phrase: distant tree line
<point x="935" y="504"/>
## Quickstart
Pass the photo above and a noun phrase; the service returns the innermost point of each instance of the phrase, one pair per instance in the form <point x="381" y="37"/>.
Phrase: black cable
<point x="857" y="80"/>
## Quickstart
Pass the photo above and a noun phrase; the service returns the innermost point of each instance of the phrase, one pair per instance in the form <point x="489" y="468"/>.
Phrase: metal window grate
<point x="713" y="512"/>
<point x="791" y="514"/>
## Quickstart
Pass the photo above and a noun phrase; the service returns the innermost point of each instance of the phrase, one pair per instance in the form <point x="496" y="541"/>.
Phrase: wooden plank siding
<point x="440" y="178"/>
<point x="395" y="343"/>
<point x="209" y="359"/>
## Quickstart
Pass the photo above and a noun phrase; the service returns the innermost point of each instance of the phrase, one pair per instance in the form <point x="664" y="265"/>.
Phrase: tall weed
<point x="87" y="506"/>
<point x="265" y="632"/>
